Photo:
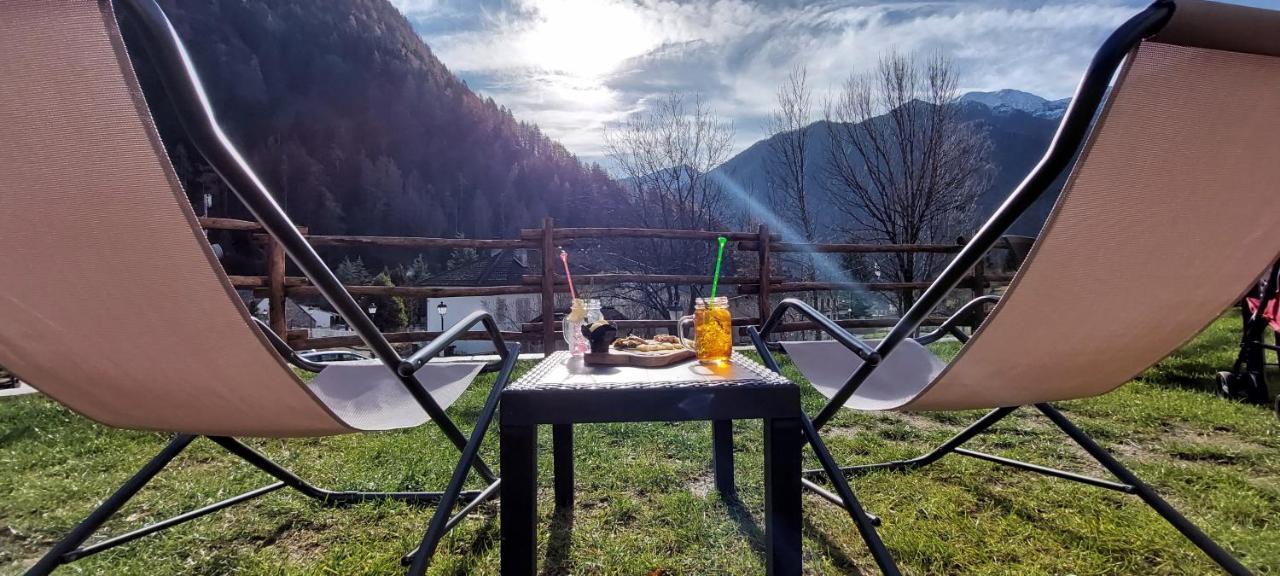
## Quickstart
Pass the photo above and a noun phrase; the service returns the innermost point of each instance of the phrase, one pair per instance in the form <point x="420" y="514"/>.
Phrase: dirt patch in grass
<point x="20" y="550"/>
<point x="1220" y="447"/>
<point x="298" y="546"/>
<point x="702" y="485"/>
<point x="1130" y="452"/>
<point x="917" y="421"/>
<point x="850" y="432"/>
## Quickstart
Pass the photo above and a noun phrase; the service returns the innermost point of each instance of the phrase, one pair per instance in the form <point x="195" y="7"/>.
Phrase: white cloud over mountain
<point x="573" y="66"/>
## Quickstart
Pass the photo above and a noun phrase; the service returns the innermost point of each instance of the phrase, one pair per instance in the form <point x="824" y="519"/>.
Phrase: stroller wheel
<point x="1241" y="387"/>
<point x="1229" y="386"/>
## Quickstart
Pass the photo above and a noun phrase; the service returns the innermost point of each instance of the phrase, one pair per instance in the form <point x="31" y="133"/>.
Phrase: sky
<point x="574" y="67"/>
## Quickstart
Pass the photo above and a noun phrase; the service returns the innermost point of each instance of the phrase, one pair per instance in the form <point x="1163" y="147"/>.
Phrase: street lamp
<point x="441" y="309"/>
<point x="674" y="312"/>
<point x="373" y="308"/>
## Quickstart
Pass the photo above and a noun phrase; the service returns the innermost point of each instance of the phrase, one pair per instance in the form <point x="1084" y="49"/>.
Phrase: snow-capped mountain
<point x="1020" y="126"/>
<point x="1005" y="100"/>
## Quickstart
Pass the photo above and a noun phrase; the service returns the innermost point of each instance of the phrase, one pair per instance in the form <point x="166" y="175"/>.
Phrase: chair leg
<point x="865" y="523"/>
<point x="934" y="455"/>
<point x="68" y="549"/>
<point x="1146" y="493"/>
<point x="58" y="554"/>
<point x="440" y="520"/>
<point x="1129" y="482"/>
<point x="326" y="497"/>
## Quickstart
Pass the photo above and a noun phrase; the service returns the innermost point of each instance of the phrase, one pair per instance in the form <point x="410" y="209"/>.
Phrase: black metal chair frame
<point x="182" y="86"/>
<point x="1070" y="136"/>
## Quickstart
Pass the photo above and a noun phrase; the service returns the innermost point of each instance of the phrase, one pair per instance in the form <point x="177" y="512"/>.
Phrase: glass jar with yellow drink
<point x="712" y="330"/>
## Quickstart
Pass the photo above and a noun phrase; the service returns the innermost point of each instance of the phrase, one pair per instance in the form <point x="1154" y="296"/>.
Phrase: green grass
<point x="646" y="505"/>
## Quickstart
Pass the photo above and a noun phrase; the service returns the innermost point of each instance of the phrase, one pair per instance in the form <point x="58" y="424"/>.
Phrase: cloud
<point x="572" y="67"/>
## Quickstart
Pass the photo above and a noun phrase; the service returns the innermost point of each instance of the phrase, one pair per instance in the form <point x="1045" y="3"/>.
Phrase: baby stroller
<point x="1247" y="380"/>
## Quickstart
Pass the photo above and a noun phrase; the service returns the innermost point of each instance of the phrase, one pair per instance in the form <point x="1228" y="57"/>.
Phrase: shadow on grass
<point x="484" y="540"/>
<point x="831" y="549"/>
<point x="1194" y="365"/>
<point x="559" y="542"/>
<point x="746" y="525"/>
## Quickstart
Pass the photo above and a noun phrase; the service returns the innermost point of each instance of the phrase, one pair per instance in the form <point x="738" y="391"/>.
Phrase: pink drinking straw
<point x="564" y="257"/>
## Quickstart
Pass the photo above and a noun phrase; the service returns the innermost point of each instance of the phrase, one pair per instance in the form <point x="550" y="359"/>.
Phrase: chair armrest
<point x="950" y="325"/>
<point x="283" y="349"/>
<point x="853" y="343"/>
<point x="412" y="364"/>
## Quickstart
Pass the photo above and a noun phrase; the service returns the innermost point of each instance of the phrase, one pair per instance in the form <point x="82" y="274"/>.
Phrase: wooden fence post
<point x="548" y="286"/>
<point x="275" y="288"/>
<point x="765" y="280"/>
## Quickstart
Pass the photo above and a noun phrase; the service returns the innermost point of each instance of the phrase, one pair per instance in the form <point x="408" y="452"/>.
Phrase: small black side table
<point x="561" y="391"/>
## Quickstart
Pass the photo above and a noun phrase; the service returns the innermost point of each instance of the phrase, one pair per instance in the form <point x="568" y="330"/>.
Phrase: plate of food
<point x="606" y="350"/>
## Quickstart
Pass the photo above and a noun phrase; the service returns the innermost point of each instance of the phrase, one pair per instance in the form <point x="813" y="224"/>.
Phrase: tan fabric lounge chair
<point x="1175" y="187"/>
<point x="114" y="305"/>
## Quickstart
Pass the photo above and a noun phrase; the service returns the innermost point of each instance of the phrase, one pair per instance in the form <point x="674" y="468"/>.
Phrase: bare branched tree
<point x="665" y="154"/>
<point x="903" y="166"/>
<point x="788" y="167"/>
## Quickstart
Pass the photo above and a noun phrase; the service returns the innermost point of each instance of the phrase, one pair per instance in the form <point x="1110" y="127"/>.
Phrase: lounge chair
<point x="121" y="311"/>
<point x="1168" y="212"/>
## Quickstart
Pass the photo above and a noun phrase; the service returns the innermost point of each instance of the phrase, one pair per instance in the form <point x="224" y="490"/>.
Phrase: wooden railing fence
<point x="546" y="240"/>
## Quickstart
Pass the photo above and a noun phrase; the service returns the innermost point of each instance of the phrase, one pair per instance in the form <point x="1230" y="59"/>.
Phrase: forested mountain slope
<point x="358" y="128"/>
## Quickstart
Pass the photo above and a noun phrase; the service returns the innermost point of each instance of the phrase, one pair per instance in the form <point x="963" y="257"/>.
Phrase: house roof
<point x="296" y="315"/>
<point x="503" y="268"/>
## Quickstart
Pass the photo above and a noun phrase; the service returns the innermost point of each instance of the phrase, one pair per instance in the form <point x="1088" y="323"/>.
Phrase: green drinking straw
<point x="715" y="280"/>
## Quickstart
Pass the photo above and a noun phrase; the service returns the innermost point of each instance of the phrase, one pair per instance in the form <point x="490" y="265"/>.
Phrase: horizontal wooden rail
<point x="651" y="233"/>
<point x="753" y="246"/>
<point x="868" y="286"/>
<point x="863" y="286"/>
<point x="298" y="285"/>
<point x="263" y="281"/>
<point x="857" y="323"/>
<point x="533" y="327"/>
<point x="393" y="337"/>
<point x="420" y="291"/>
<point x="418" y="242"/>
<point x="227" y="224"/>
<point x="209" y="223"/>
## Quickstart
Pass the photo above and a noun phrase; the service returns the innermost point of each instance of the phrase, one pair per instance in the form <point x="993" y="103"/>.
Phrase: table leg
<point x="518" y="452"/>
<point x="562" y="455"/>
<point x="782" y="512"/>
<point x="722" y="458"/>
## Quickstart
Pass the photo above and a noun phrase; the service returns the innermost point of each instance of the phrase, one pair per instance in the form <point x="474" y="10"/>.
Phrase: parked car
<point x="7" y="379"/>
<point x="331" y="356"/>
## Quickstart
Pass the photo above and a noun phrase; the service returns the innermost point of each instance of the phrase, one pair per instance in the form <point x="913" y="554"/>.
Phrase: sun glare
<point x="585" y="39"/>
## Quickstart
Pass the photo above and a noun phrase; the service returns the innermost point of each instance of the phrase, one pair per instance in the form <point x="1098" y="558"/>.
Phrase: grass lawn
<point x="646" y="505"/>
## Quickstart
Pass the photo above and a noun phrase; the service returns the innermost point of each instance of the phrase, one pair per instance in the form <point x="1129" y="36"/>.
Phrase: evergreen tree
<point x="390" y="314"/>
<point x="459" y="257"/>
<point x="353" y="272"/>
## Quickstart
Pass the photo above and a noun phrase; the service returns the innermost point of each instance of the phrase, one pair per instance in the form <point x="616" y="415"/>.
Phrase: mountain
<point x="359" y="129"/>
<point x="1020" y="126"/>
<point x="1005" y="101"/>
